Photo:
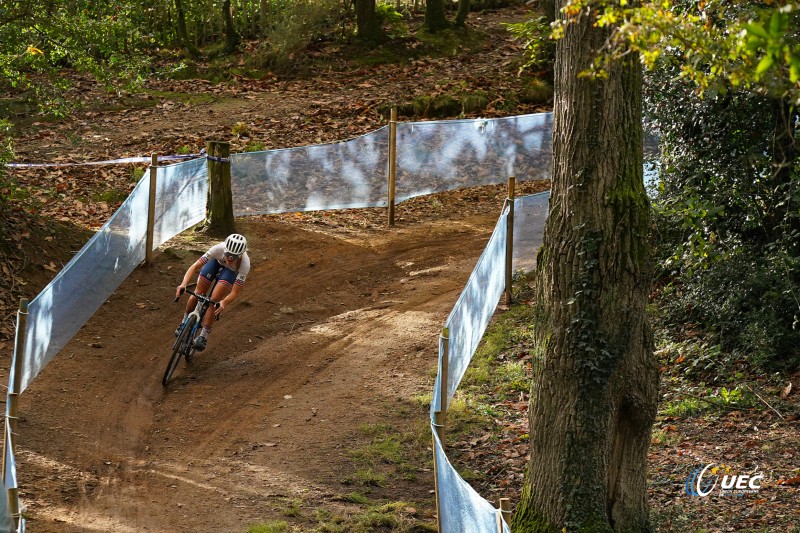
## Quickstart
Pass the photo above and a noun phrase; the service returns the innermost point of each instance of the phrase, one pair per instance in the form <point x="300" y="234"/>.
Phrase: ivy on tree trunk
<point x="594" y="394"/>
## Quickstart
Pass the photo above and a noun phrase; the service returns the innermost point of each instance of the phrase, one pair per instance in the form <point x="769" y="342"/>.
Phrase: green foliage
<point x="7" y="186"/>
<point x="540" y="48"/>
<point x="37" y="40"/>
<point x="723" y="44"/>
<point x="728" y="213"/>
<point x="240" y="129"/>
<point x="389" y="16"/>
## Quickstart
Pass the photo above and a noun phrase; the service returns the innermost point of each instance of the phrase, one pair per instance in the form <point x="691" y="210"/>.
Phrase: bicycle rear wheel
<point x="178" y="349"/>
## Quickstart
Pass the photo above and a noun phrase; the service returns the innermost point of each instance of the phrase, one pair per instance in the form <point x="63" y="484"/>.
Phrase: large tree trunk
<point x="435" y="19"/>
<point x="367" y="24"/>
<point x="594" y="395"/>
<point x="183" y="34"/>
<point x="549" y="9"/>
<point x="232" y="37"/>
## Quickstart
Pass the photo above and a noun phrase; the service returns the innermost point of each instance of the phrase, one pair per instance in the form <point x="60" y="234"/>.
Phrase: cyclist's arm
<point x="228" y="300"/>
<point x="189" y="276"/>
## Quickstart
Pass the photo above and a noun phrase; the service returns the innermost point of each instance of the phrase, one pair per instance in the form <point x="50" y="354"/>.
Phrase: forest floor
<point x="310" y="405"/>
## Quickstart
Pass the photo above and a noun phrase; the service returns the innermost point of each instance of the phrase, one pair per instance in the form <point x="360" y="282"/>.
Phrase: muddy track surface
<point x="331" y="332"/>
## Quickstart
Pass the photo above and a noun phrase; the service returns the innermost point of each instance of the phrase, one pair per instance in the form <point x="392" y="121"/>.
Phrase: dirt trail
<point x="332" y="332"/>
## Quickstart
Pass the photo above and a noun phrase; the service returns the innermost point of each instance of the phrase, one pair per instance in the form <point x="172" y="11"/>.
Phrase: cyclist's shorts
<point x="213" y="269"/>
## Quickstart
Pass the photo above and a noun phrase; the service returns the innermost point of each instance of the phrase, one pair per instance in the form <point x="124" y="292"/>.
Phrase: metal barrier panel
<point x="181" y="196"/>
<point x="476" y="305"/>
<point x="104" y="262"/>
<point x="461" y="508"/>
<point x="339" y="175"/>
<point x="82" y="286"/>
<point x="445" y="155"/>
<point x="530" y="215"/>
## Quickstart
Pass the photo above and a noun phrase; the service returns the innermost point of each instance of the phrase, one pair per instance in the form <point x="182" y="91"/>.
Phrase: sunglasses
<point x="232" y="256"/>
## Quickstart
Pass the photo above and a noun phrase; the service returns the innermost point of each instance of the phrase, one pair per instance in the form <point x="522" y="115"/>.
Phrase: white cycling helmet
<point x="235" y="244"/>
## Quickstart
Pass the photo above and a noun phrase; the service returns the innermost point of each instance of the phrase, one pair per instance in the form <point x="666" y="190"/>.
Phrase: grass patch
<point x="390" y="454"/>
<point x="383" y="449"/>
<point x="111" y="196"/>
<point x="276" y="526"/>
<point x="393" y="516"/>
<point x="254" y="146"/>
<point x="355" y="497"/>
<point x="293" y="507"/>
<point x="664" y="437"/>
<point x="501" y="358"/>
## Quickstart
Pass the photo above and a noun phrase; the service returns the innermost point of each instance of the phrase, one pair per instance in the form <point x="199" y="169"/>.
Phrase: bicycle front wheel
<point x="178" y="349"/>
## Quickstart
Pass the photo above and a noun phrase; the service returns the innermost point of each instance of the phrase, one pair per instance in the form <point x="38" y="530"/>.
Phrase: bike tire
<point x="177" y="350"/>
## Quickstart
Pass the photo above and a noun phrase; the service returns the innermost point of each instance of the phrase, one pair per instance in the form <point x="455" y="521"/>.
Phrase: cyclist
<point x="229" y="263"/>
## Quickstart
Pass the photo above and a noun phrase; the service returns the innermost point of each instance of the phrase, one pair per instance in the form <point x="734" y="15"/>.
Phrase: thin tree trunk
<point x="232" y="37"/>
<point x="183" y="34"/>
<point x="462" y="13"/>
<point x="594" y="395"/>
<point x="262" y="17"/>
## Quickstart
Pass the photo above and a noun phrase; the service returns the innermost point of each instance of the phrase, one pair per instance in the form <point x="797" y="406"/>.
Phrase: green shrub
<point x="540" y="49"/>
<point x="294" y="26"/>
<point x="727" y="212"/>
<point x="389" y="16"/>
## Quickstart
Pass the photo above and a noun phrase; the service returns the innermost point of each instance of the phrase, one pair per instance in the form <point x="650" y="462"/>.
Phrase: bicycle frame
<point x="184" y="344"/>
<point x="200" y="309"/>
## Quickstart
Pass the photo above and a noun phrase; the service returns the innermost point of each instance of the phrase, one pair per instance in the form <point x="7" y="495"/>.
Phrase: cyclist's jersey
<point x="240" y="267"/>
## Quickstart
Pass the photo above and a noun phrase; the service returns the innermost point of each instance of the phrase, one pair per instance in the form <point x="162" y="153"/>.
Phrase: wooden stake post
<point x="13" y="403"/>
<point x="13" y="392"/>
<point x="443" y="381"/>
<point x="440" y="416"/>
<point x="438" y="424"/>
<point x="510" y="238"/>
<point x="392" y="163"/>
<point x="504" y="514"/>
<point x="151" y="211"/>
<point x="220" y="197"/>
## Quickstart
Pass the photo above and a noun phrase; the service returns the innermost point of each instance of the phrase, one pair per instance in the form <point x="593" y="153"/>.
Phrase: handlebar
<point x="201" y="297"/>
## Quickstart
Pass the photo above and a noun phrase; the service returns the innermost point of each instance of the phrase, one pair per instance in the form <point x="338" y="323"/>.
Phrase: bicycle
<point x="184" y="343"/>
